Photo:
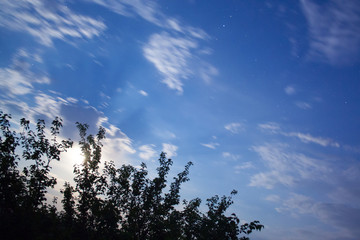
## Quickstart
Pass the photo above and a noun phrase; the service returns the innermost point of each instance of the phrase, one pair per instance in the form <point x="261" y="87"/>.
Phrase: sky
<point x="262" y="96"/>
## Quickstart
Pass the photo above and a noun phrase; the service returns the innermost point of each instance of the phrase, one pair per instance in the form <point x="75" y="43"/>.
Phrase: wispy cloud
<point x="169" y="149"/>
<point x="270" y="126"/>
<point x="290" y="90"/>
<point x="147" y="151"/>
<point x="208" y="72"/>
<point x="48" y="20"/>
<point x="172" y="50"/>
<point x="15" y="82"/>
<point x="307" y="138"/>
<point x="117" y="141"/>
<point x="170" y="55"/>
<point x="273" y="198"/>
<point x="334" y="30"/>
<point x="48" y="105"/>
<point x="235" y="127"/>
<point x="269" y="179"/>
<point x="231" y="155"/>
<point x="338" y="216"/>
<point x="274" y="128"/>
<point x="142" y="92"/>
<point x="150" y="12"/>
<point x="132" y="8"/>
<point x="245" y="165"/>
<point x="211" y="145"/>
<point x="18" y="79"/>
<point x="286" y="167"/>
<point x="303" y="105"/>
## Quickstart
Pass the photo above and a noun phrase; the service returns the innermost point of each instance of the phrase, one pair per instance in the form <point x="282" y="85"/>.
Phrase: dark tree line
<point x="113" y="203"/>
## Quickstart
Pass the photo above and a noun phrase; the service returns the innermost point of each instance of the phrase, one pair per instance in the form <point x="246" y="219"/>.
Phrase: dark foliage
<point x="115" y="203"/>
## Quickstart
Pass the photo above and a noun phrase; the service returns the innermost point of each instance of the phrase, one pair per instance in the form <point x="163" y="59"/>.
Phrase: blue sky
<point x="263" y="96"/>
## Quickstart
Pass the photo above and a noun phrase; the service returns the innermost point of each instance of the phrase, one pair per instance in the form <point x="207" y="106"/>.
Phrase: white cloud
<point x="169" y="51"/>
<point x="235" y="127"/>
<point x="147" y="151"/>
<point x="307" y="138"/>
<point x="48" y="105"/>
<point x="117" y="146"/>
<point x="169" y="134"/>
<point x="170" y="55"/>
<point x="18" y="79"/>
<point x="14" y="82"/>
<point x="47" y="20"/>
<point x="304" y="137"/>
<point x="72" y="100"/>
<point x="230" y="155"/>
<point x="270" y="126"/>
<point x="334" y="30"/>
<point x="118" y="142"/>
<point x="211" y="145"/>
<point x="298" y="203"/>
<point x="104" y="96"/>
<point x="273" y="198"/>
<point x="286" y="167"/>
<point x="290" y="90"/>
<point x="303" y="105"/>
<point x="208" y="72"/>
<point x="245" y="165"/>
<point x="142" y="92"/>
<point x="269" y="179"/>
<point x="145" y="9"/>
<point x="169" y="149"/>
<point x="149" y="11"/>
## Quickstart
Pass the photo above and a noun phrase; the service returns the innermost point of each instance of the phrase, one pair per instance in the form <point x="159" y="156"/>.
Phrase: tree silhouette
<point x="24" y="211"/>
<point x="108" y="203"/>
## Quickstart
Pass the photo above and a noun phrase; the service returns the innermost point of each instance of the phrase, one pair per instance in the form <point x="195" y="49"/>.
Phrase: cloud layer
<point x="48" y="20"/>
<point x="286" y="167"/>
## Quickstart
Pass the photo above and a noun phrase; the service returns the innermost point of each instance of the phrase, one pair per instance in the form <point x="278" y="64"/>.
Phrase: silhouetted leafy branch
<point x="108" y="203"/>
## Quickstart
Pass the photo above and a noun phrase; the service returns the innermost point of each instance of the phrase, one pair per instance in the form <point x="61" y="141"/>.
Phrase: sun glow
<point x="74" y="156"/>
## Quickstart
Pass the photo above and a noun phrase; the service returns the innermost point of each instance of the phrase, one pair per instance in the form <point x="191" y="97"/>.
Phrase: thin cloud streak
<point x="274" y="128"/>
<point x="307" y="138"/>
<point x="211" y="145"/>
<point x="334" y="30"/>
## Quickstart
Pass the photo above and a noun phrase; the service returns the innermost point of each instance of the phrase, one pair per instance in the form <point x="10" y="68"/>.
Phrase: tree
<point x="109" y="203"/>
<point x="23" y="192"/>
<point x="40" y="151"/>
<point x="11" y="183"/>
<point x="89" y="182"/>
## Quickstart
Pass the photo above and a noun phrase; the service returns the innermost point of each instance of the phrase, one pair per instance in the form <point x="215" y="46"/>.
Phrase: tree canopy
<point x="109" y="203"/>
